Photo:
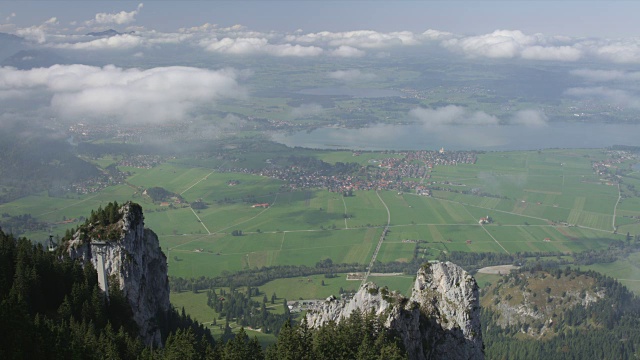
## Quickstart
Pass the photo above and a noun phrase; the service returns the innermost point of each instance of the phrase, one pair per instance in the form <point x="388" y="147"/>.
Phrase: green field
<point x="627" y="271"/>
<point x="540" y="201"/>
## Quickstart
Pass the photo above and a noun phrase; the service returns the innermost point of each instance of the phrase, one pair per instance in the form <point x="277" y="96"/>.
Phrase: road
<point x="384" y="233"/>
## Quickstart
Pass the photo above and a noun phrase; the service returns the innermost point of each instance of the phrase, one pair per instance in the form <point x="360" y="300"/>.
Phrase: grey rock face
<point x="136" y="260"/>
<point x="441" y="319"/>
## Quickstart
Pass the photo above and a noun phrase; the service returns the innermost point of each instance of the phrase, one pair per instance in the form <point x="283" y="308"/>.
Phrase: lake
<point x="466" y="137"/>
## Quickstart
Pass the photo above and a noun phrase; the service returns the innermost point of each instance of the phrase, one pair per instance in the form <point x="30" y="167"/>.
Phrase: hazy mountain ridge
<point x="35" y="58"/>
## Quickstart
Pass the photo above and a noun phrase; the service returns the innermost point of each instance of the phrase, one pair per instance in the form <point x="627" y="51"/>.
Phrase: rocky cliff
<point x="132" y="255"/>
<point x="441" y="319"/>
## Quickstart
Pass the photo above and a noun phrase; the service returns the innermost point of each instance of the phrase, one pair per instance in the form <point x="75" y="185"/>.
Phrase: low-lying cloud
<point x="452" y="115"/>
<point x="306" y="110"/>
<point x="458" y="115"/>
<point x="351" y="75"/>
<point x="606" y="75"/>
<point x="254" y="46"/>
<point x="512" y="44"/>
<point x="347" y="52"/>
<point x="154" y="95"/>
<point x="615" y="97"/>
<point x="529" y="117"/>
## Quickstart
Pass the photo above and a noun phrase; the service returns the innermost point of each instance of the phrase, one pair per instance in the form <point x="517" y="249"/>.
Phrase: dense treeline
<point x="258" y="276"/>
<point x="472" y="261"/>
<point x="606" y="329"/>
<point x="361" y="337"/>
<point x="51" y="307"/>
<point x="239" y="307"/>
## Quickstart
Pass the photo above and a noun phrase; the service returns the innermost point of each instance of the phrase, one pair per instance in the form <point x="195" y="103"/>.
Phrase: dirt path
<point x="497" y="270"/>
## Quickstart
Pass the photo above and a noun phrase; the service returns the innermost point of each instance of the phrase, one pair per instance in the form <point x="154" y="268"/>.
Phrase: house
<point x="263" y="205"/>
<point x="485" y="220"/>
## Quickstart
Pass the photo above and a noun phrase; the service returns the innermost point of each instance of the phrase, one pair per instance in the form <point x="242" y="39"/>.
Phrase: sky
<point x="570" y="18"/>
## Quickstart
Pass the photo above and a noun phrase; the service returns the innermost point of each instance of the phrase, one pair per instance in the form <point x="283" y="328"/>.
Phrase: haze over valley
<point x="285" y="154"/>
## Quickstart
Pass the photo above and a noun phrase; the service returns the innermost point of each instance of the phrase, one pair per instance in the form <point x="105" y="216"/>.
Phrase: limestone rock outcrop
<point x="133" y="256"/>
<point x="441" y="319"/>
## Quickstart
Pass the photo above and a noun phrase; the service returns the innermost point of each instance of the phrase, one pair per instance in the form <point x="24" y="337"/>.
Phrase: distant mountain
<point x="4" y="37"/>
<point x="29" y="59"/>
<point x="10" y="44"/>
<point x="106" y="33"/>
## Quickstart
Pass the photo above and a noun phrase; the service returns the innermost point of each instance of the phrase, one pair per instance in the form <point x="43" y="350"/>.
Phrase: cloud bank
<point x="606" y="75"/>
<point x="458" y="115"/>
<point x="119" y="18"/>
<point x="351" y="75"/>
<point x="155" y="95"/>
<point x="306" y="110"/>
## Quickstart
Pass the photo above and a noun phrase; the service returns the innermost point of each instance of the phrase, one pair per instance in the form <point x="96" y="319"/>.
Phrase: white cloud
<point x="458" y="115"/>
<point x="434" y="35"/>
<point x="606" y="75"/>
<point x="357" y="39"/>
<point x="306" y="110"/>
<point x="119" y="42"/>
<point x="513" y="44"/>
<point x="51" y="21"/>
<point x="347" y="52"/>
<point x="10" y="17"/>
<point x="498" y="44"/>
<point x="552" y="53"/>
<point x="627" y="51"/>
<point x="351" y="75"/>
<point x="37" y="33"/>
<point x="252" y="46"/>
<point x="452" y="115"/>
<point x="616" y="97"/>
<point x="531" y="118"/>
<point x="120" y="18"/>
<point x="132" y="95"/>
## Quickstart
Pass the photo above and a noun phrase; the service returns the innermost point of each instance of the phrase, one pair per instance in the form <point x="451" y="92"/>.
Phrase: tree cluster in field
<point x="198" y="205"/>
<point x="617" y="249"/>
<point x="159" y="194"/>
<point x="257" y="276"/>
<point x="606" y="329"/>
<point x="18" y="224"/>
<point x="239" y="307"/>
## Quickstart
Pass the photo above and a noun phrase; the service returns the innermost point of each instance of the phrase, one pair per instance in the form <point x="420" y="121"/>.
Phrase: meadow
<point x="539" y="201"/>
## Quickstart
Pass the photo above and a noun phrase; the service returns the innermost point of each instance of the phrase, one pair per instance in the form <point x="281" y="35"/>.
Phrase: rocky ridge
<point x="132" y="255"/>
<point x="441" y="319"/>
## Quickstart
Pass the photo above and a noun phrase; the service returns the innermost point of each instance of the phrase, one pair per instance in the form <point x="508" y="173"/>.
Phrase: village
<point x="410" y="172"/>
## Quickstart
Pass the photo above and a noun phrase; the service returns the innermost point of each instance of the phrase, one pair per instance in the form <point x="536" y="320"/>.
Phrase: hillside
<point x="559" y="314"/>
